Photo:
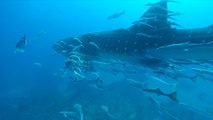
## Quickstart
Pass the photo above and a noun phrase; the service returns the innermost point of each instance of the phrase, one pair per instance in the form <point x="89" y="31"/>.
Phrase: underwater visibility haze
<point x="106" y="60"/>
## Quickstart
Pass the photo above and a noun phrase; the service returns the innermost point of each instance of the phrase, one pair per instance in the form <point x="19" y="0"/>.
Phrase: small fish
<point x="174" y="24"/>
<point x="143" y="87"/>
<point x="21" y="45"/>
<point x="203" y="71"/>
<point x="177" y="73"/>
<point x="166" y="74"/>
<point x="145" y="19"/>
<point x="116" y="15"/>
<point x="92" y="79"/>
<point x="140" y="34"/>
<point x="41" y="34"/>
<point x="159" y="15"/>
<point x="95" y="45"/>
<point x="163" y="108"/>
<point x="173" y="85"/>
<point x="172" y="96"/>
<point x="178" y="45"/>
<point x="158" y="7"/>
<point x="71" y="115"/>
<point x="37" y="64"/>
<point x="78" y="107"/>
<point x="105" y="108"/>
<point x="174" y="1"/>
<point x="146" y="24"/>
<point x="162" y="1"/>
<point x="197" y="109"/>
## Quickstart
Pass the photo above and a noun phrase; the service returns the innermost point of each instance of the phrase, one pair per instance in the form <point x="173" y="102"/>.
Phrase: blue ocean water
<point x="35" y="85"/>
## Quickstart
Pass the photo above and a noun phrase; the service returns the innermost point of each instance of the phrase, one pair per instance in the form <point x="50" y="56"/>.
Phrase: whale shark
<point x="154" y="37"/>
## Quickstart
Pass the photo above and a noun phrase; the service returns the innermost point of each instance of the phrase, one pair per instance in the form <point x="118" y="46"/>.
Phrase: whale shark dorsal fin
<point x="157" y="10"/>
<point x="156" y="17"/>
